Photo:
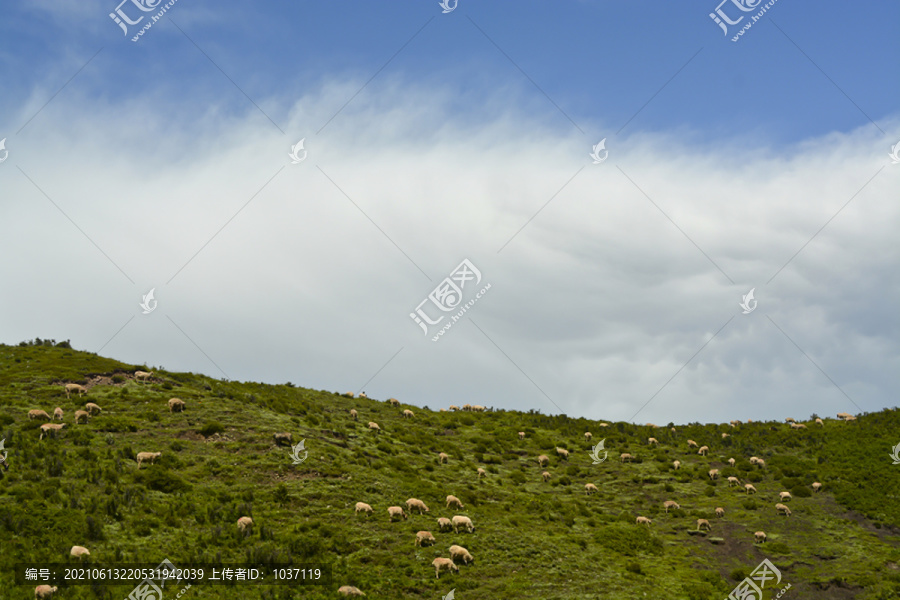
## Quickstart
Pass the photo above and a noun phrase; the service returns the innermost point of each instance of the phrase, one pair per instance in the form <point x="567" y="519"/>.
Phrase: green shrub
<point x="211" y="428"/>
<point x="634" y="567"/>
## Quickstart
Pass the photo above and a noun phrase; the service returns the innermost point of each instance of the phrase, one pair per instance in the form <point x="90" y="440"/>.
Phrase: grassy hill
<point x="533" y="539"/>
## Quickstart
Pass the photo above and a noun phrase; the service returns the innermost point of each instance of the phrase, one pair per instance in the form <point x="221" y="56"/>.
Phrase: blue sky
<point x="432" y="138"/>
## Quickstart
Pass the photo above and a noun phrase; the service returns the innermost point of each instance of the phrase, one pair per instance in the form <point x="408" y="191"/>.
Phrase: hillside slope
<point x="533" y="539"/>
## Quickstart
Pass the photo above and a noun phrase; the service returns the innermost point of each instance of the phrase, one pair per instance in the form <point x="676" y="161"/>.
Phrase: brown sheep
<point x="703" y="523"/>
<point x="676" y="464"/>
<point x="588" y="436"/>
<point x="785" y="496"/>
<point x="562" y="453"/>
<point x="93" y="409"/>
<point x="713" y="473"/>
<point x="590" y="488"/>
<point x="79" y="551"/>
<point x="640" y="520"/>
<point x="424" y="538"/>
<point x="481" y="473"/>
<point x="781" y="508"/>
<point x="760" y="536"/>
<point x="543" y="460"/>
<point x="374" y="426"/>
<point x="454" y="501"/>
<point x="725" y="435"/>
<point x="546" y="475"/>
<point x="625" y="457"/>
<point x="415" y="503"/>
<point x="142" y="375"/>
<point x="393" y="402"/>
<point x="47" y="428"/>
<point x="150" y="457"/>
<point x="761" y="463"/>
<point x="731" y="462"/>
<point x="460" y="521"/>
<point x="443" y="457"/>
<point x="408" y="413"/>
<point x="454" y="407"/>
<point x="355" y="416"/>
<point x="749" y="487"/>
<point x="703" y="451"/>
<point x="816" y="486"/>
<point x="176" y="405"/>
<point x="58" y="413"/>
<point x="44" y="592"/>
<point x="670" y="504"/>
<point x="720" y="512"/>
<point x="444" y="524"/>
<point x="443" y="564"/>
<point x="396" y="511"/>
<point x="283" y="437"/>
<point x="653" y="441"/>
<point x="692" y="444"/>
<point x="363" y="507"/>
<point x="74" y="387"/>
<point x="245" y="526"/>
<point x="81" y="415"/>
<point x="460" y="553"/>
<point x="38" y="414"/>
<point x="798" y="426"/>
<point x="733" y="481"/>
<point x="789" y="420"/>
<point x="349" y="590"/>
<point x="820" y="422"/>
<point x="521" y="435"/>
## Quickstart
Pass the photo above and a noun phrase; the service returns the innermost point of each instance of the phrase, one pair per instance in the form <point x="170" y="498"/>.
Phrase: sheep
<point x="562" y="453"/>
<point x="732" y="481"/>
<point x="245" y="526"/>
<point x="720" y="512"/>
<point x="820" y="422"/>
<point x="415" y="503"/>
<point x="843" y="415"/>
<point x="176" y="405"/>
<point x="284" y="436"/>
<point x="749" y="487"/>
<point x="753" y="460"/>
<point x="478" y="408"/>
<point x="349" y="590"/>
<point x="789" y="420"/>
<point x="454" y="501"/>
<point x="355" y="416"/>
<point x="725" y="435"/>
<point x="588" y="436"/>
<point x="142" y="375"/>
<point x="521" y="435"/>
<point x="731" y="462"/>
<point x="640" y="520"/>
<point x="374" y="426"/>
<point x="58" y="413"/>
<point x="363" y="395"/>
<point x="652" y="425"/>
<point x="703" y="451"/>
<point x="670" y="504"/>
<point x="625" y="457"/>
<point x="443" y="564"/>
<point x="363" y="507"/>
<point x="546" y="475"/>
<point x="423" y="537"/>
<point x="543" y="460"/>
<point x="74" y="387"/>
<point x="760" y="537"/>
<point x="348" y="395"/>
<point x="713" y="473"/>
<point x="604" y="424"/>
<point x="81" y="415"/>
<point x="761" y="463"/>
<point x="781" y="508"/>
<point x="460" y="553"/>
<point x="444" y="524"/>
<point x="396" y="511"/>
<point x="460" y="521"/>
<point x="850" y="418"/>
<point x="652" y="441"/>
<point x="46" y="428"/>
<point x="393" y="402"/>
<point x="692" y="444"/>
<point x="467" y="407"/>
<point x="816" y="486"/>
<point x="37" y="413"/>
<point x="93" y="409"/>
<point x="79" y="551"/>
<point x="701" y="523"/>
<point x="44" y="592"/>
<point x="443" y="457"/>
<point x="481" y="473"/>
<point x="785" y="496"/>
<point x="676" y="464"/>
<point x="442" y="410"/>
<point x="590" y="488"/>
<point x="673" y="430"/>
<point x="408" y="413"/>
<point x="453" y="407"/>
<point x="150" y="457"/>
<point x="798" y="426"/>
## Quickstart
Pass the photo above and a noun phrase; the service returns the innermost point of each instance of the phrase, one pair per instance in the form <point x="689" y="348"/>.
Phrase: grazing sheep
<point x="467" y="407"/>
<point x="703" y="451"/>
<point x="79" y="551"/>
<point x="676" y="464"/>
<point x="415" y="503"/>
<point x="781" y="508"/>
<point x="760" y="536"/>
<point x="454" y="501"/>
<point x="543" y="460"/>
<point x="443" y="564"/>
<point x="393" y="402"/>
<point x="588" y="436"/>
<point x="423" y="537"/>
<point x="816" y="486"/>
<point x="731" y="462"/>
<point x="701" y="523"/>
<point x="749" y="487"/>
<point x="374" y="426"/>
<point x="443" y="457"/>
<point x="176" y="405"/>
<point x="142" y="375"/>
<point x="798" y="426"/>
<point x="363" y="395"/>
<point x="652" y="441"/>
<point x="396" y="511"/>
<point x="713" y="473"/>
<point x="754" y="460"/>
<point x="673" y="430"/>
<point x="150" y="457"/>
<point x="460" y="521"/>
<point x="442" y="410"/>
<point x="692" y="444"/>
<point x="349" y="590"/>
<point x="46" y="428"/>
<point x="478" y="408"/>
<point x="789" y="420"/>
<point x="245" y="526"/>
<point x="733" y="481"/>
<point x="590" y="488"/>
<point x="604" y="424"/>
<point x="761" y="463"/>
<point x="93" y="409"/>
<point x="850" y="418"/>
<point x="81" y="415"/>
<point x="562" y="453"/>
<point x="460" y="553"/>
<point x="355" y="416"/>
<point x="37" y="413"/>
<point x="670" y="504"/>
<point x="444" y="524"/>
<point x="454" y="407"/>
<point x="725" y="435"/>
<point x="640" y="520"/>
<point x="843" y="415"/>
<point x="785" y="496"/>
<point x="720" y="512"/>
<point x="820" y="422"/>
<point x="348" y="395"/>
<point x="408" y="413"/>
<point x="58" y="413"/>
<point x="481" y="473"/>
<point x="363" y="507"/>
<point x="74" y="387"/>
<point x="285" y="437"/>
<point x="652" y="425"/>
<point x="44" y="592"/>
<point x="546" y="475"/>
<point x="521" y="435"/>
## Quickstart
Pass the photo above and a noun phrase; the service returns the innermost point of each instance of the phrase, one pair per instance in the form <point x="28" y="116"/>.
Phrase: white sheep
<point x="732" y="481"/>
<point x="93" y="409"/>
<point x="653" y="441"/>
<point x="81" y="415"/>
<point x="625" y="457"/>
<point x="725" y="435"/>
<point x="460" y="521"/>
<point x="820" y="422"/>
<point x="760" y="536"/>
<point x="349" y="590"/>
<point x="79" y="551"/>
<point x="453" y="500"/>
<point x="713" y="473"/>
<point x="481" y="473"/>
<point x="545" y="476"/>
<point x="393" y="402"/>
<point x="460" y="553"/>
<point x="363" y="395"/>
<point x="245" y="525"/>
<point x="543" y="460"/>
<point x="816" y="486"/>
<point x="670" y="504"/>
<point x="176" y="405"/>
<point x="142" y="375"/>
<point x="562" y="453"/>
<point x="590" y="488"/>
<point x="604" y="424"/>
<point x="843" y="415"/>
<point x="74" y="387"/>
<point x="789" y="420"/>
<point x="415" y="503"/>
<point x="443" y="564"/>
<point x="396" y="511"/>
<point x="453" y="407"/>
<point x="754" y="460"/>
<point x="424" y="536"/>
<point x="38" y="414"/>
<point x="44" y="592"/>
<point x="408" y="413"/>
<point x="283" y="437"/>
<point x="355" y="416"/>
<point x="46" y="428"/>
<point x="640" y="520"/>
<point x="348" y="395"/>
<point x="692" y="444"/>
<point x="785" y="496"/>
<point x="374" y="426"/>
<point x="703" y="451"/>
<point x="850" y="418"/>
<point x="587" y="436"/>
<point x="150" y="457"/>
<point x="781" y="508"/>
<point x="703" y="523"/>
<point x="58" y="413"/>
<point x="652" y="425"/>
<point x="676" y="464"/>
<point x="478" y="408"/>
<point x="363" y="507"/>
<point x="798" y="426"/>
<point x="521" y="435"/>
<point x="444" y="524"/>
<point x="720" y="512"/>
<point x="731" y="462"/>
<point x="467" y="407"/>
<point x="750" y="488"/>
<point x="443" y="457"/>
<point x="761" y="463"/>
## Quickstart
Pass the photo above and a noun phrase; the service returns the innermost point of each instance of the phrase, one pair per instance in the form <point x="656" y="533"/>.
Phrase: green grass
<point x="533" y="540"/>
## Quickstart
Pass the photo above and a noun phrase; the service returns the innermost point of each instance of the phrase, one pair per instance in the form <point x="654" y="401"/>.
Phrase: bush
<point x="161" y="481"/>
<point x="118" y="378"/>
<point x="211" y="428"/>
<point x="634" y="567"/>
<point x="627" y="538"/>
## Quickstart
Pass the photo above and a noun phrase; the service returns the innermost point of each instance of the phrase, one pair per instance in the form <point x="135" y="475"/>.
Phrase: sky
<point x="561" y="207"/>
